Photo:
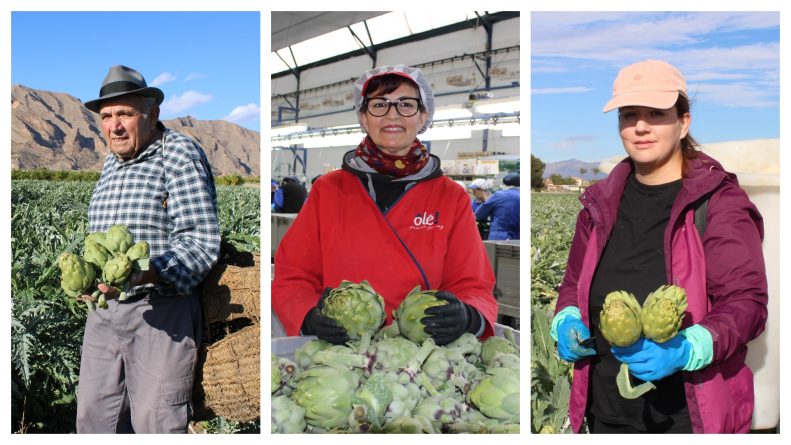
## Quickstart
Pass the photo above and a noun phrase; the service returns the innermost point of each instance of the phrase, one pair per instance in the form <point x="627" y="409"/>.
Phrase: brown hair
<point x="385" y="84"/>
<point x="688" y="143"/>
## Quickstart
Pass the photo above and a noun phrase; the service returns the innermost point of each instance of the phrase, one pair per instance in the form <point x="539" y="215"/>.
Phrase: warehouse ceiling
<point x="302" y="39"/>
<point x="293" y="27"/>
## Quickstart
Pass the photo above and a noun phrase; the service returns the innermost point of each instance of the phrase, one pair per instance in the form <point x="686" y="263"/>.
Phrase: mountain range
<point x="55" y="131"/>
<point x="571" y="167"/>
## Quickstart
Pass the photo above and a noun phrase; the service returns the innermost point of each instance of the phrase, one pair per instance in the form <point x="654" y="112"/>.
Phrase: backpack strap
<point x="701" y="208"/>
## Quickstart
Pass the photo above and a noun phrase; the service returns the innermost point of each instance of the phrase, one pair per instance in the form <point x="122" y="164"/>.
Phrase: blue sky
<point x="731" y="62"/>
<point x="207" y="63"/>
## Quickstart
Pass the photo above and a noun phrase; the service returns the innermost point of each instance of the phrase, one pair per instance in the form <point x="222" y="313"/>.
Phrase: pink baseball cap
<point x="650" y="83"/>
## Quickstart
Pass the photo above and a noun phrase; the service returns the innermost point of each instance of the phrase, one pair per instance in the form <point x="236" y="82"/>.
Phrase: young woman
<point x="636" y="232"/>
<point x="390" y="217"/>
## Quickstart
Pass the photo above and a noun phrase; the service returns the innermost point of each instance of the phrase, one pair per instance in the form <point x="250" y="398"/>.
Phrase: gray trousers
<point x="138" y="366"/>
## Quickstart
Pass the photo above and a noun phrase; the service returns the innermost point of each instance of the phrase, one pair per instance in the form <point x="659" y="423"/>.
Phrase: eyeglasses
<point x="405" y="106"/>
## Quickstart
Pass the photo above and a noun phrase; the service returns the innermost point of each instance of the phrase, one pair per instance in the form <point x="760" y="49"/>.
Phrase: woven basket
<point x="232" y="292"/>
<point x="230" y="377"/>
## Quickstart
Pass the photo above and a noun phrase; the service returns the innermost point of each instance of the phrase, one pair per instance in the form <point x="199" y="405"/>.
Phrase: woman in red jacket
<point x="390" y="217"/>
<point x="636" y="231"/>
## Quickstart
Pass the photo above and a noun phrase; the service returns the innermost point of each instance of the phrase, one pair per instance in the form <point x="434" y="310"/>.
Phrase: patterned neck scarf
<point x="396" y="166"/>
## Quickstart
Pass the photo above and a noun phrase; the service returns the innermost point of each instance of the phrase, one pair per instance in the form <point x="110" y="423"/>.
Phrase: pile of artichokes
<point x="622" y="322"/>
<point x="385" y="382"/>
<point x="107" y="257"/>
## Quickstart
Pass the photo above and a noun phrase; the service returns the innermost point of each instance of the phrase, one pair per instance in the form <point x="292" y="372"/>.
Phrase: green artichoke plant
<point x="76" y="275"/>
<point x="287" y="416"/>
<point x="116" y="270"/>
<point x="663" y="312"/>
<point x="356" y="307"/>
<point x="497" y="395"/>
<point x="619" y="319"/>
<point x="118" y="239"/>
<point x="326" y="395"/>
<point x="409" y="313"/>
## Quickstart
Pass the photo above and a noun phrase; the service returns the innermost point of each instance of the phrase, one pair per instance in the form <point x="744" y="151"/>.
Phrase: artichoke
<point x="392" y="354"/>
<point x="663" y="312"/>
<point x="619" y="319"/>
<point x="118" y="239"/>
<point x="96" y="237"/>
<point x="503" y="360"/>
<point x="356" y="307"/>
<point x="116" y="270"/>
<point x="494" y="345"/>
<point x="369" y="405"/>
<point x="305" y="353"/>
<point x="275" y="376"/>
<point x="138" y="251"/>
<point x="287" y="416"/>
<point x="95" y="253"/>
<point x="409" y="313"/>
<point x="440" y="410"/>
<point x="406" y="425"/>
<point x="76" y="275"/>
<point x="497" y="395"/>
<point x="326" y="395"/>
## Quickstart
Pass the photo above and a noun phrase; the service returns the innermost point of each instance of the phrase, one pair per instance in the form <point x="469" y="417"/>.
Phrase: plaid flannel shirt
<point x="165" y="196"/>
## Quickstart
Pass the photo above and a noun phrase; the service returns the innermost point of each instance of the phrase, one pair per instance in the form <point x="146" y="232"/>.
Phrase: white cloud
<point x="162" y="79"/>
<point x="564" y="90"/>
<point x="189" y="99"/>
<point x="623" y="37"/>
<point x="195" y="76"/>
<point x="244" y="113"/>
<point x="712" y="49"/>
<point x="736" y="95"/>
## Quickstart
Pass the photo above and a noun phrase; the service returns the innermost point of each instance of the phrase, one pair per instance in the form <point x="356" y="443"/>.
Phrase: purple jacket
<point x="724" y="277"/>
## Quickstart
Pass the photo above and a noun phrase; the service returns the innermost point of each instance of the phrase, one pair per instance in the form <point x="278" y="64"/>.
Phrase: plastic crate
<point x="280" y="225"/>
<point x="285" y="346"/>
<point x="504" y="258"/>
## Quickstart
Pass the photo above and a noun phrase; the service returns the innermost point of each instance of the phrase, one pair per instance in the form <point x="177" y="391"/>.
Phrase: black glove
<point x="448" y="322"/>
<point x="323" y="327"/>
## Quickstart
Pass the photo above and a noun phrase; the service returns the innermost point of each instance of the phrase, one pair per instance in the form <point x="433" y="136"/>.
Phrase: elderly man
<point x="139" y="355"/>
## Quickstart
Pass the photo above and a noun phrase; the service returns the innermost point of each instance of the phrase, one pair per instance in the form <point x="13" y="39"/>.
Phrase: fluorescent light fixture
<point x="336" y="140"/>
<point x="510" y="130"/>
<point x="288" y="129"/>
<point x="449" y="113"/>
<point x="447" y="133"/>
<point x="492" y="107"/>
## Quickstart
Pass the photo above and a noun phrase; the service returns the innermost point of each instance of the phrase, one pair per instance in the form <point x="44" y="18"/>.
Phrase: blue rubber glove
<point x="571" y="332"/>
<point x="651" y="361"/>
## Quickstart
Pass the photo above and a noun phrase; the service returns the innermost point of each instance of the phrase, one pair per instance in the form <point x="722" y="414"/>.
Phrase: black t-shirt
<point x="634" y="261"/>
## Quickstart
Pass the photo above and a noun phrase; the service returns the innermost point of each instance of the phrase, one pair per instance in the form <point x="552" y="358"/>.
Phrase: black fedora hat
<point x="120" y="81"/>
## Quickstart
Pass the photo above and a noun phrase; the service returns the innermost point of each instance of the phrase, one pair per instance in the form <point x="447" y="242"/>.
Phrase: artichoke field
<point x="48" y="218"/>
<point x="390" y="384"/>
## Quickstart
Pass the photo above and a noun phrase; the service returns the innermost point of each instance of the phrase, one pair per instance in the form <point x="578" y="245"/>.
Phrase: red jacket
<point x="427" y="238"/>
<point x="723" y="275"/>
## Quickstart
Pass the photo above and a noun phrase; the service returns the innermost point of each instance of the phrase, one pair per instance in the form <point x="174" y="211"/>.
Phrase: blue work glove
<point x="571" y="333"/>
<point x="651" y="361"/>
